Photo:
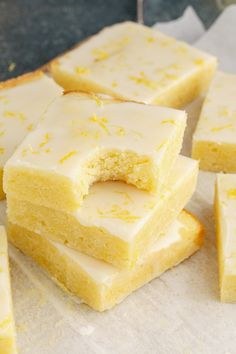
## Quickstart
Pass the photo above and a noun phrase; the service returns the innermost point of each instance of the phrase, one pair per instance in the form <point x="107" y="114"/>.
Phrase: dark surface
<point x="34" y="31"/>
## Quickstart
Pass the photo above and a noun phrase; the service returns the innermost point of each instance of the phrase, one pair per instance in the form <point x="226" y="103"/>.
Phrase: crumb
<point x="11" y="67"/>
<point x="86" y="330"/>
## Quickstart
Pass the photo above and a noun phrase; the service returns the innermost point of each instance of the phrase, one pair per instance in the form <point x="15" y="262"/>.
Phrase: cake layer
<point x="99" y="284"/>
<point x="116" y="222"/>
<point x="22" y="102"/>
<point x="84" y="139"/>
<point x="214" y="141"/>
<point x="225" y="206"/>
<point x="136" y="63"/>
<point x="7" y="326"/>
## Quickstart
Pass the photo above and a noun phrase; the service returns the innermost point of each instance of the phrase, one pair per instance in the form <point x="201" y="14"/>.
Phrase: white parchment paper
<point x="220" y="40"/>
<point x="178" y="27"/>
<point x="178" y="313"/>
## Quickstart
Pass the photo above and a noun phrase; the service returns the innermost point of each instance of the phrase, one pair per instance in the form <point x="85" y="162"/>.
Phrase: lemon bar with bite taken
<point x="117" y="222"/>
<point x="136" y="63"/>
<point x="22" y="101"/>
<point x="7" y="325"/>
<point x="84" y="139"/>
<point x="214" y="141"/>
<point x="99" y="284"/>
<point x="225" y="206"/>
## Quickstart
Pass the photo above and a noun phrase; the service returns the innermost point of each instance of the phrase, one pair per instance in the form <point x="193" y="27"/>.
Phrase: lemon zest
<point x="67" y="156"/>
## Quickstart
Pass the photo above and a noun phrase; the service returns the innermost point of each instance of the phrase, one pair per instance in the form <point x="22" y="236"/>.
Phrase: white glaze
<point x="21" y="106"/>
<point x="77" y="127"/>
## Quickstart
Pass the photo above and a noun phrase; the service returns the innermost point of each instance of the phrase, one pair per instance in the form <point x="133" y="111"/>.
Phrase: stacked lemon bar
<point x="101" y="210"/>
<point x="7" y="325"/>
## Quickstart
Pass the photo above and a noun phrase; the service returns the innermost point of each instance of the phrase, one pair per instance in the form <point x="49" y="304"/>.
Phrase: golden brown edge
<point x="30" y="76"/>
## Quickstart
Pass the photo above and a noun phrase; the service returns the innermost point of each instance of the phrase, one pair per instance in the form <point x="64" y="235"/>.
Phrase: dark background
<point x="34" y="31"/>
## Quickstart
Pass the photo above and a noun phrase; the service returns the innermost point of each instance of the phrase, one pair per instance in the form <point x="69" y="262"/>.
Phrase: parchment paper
<point x="178" y="313"/>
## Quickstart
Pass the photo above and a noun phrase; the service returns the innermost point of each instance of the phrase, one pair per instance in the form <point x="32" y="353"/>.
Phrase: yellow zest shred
<point x="2" y="150"/>
<point x="171" y="76"/>
<point x="24" y="152"/>
<point x="5" y="322"/>
<point x="116" y="212"/>
<point x="84" y="133"/>
<point x="100" y="54"/>
<point x="217" y="129"/>
<point x="120" y="131"/>
<point x="161" y="145"/>
<point x="81" y="70"/>
<point x="168" y="121"/>
<point x="34" y="152"/>
<point x="2" y="133"/>
<point x="231" y="193"/>
<point x="127" y="197"/>
<point x="181" y="49"/>
<point x="143" y="80"/>
<point x="97" y="99"/>
<point x="151" y="39"/>
<point x="18" y="115"/>
<point x="46" y="140"/>
<point x="101" y="121"/>
<point x="198" y="61"/>
<point x="30" y="127"/>
<point x="68" y="155"/>
<point x="224" y="112"/>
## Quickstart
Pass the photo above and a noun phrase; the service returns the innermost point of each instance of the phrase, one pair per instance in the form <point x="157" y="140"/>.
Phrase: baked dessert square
<point x="22" y="102"/>
<point x="84" y="139"/>
<point x="136" y="63"/>
<point x="225" y="207"/>
<point x="117" y="222"/>
<point x="214" y="141"/>
<point x="7" y="324"/>
<point x="99" y="284"/>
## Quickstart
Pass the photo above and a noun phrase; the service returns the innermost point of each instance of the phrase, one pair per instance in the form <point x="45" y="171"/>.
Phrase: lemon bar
<point x="100" y="284"/>
<point x="83" y="139"/>
<point x="116" y="222"/>
<point x="7" y="326"/>
<point x="136" y="63"/>
<point x="22" y="101"/>
<point x="225" y="206"/>
<point x="214" y="141"/>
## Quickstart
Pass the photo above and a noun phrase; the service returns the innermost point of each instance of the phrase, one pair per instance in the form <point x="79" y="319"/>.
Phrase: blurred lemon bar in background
<point x="214" y="141"/>
<point x="225" y="206"/>
<point x="83" y="139"/>
<point x="117" y="222"/>
<point x="22" y="101"/>
<point x="7" y="325"/>
<point x="99" y="284"/>
<point x="136" y="63"/>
